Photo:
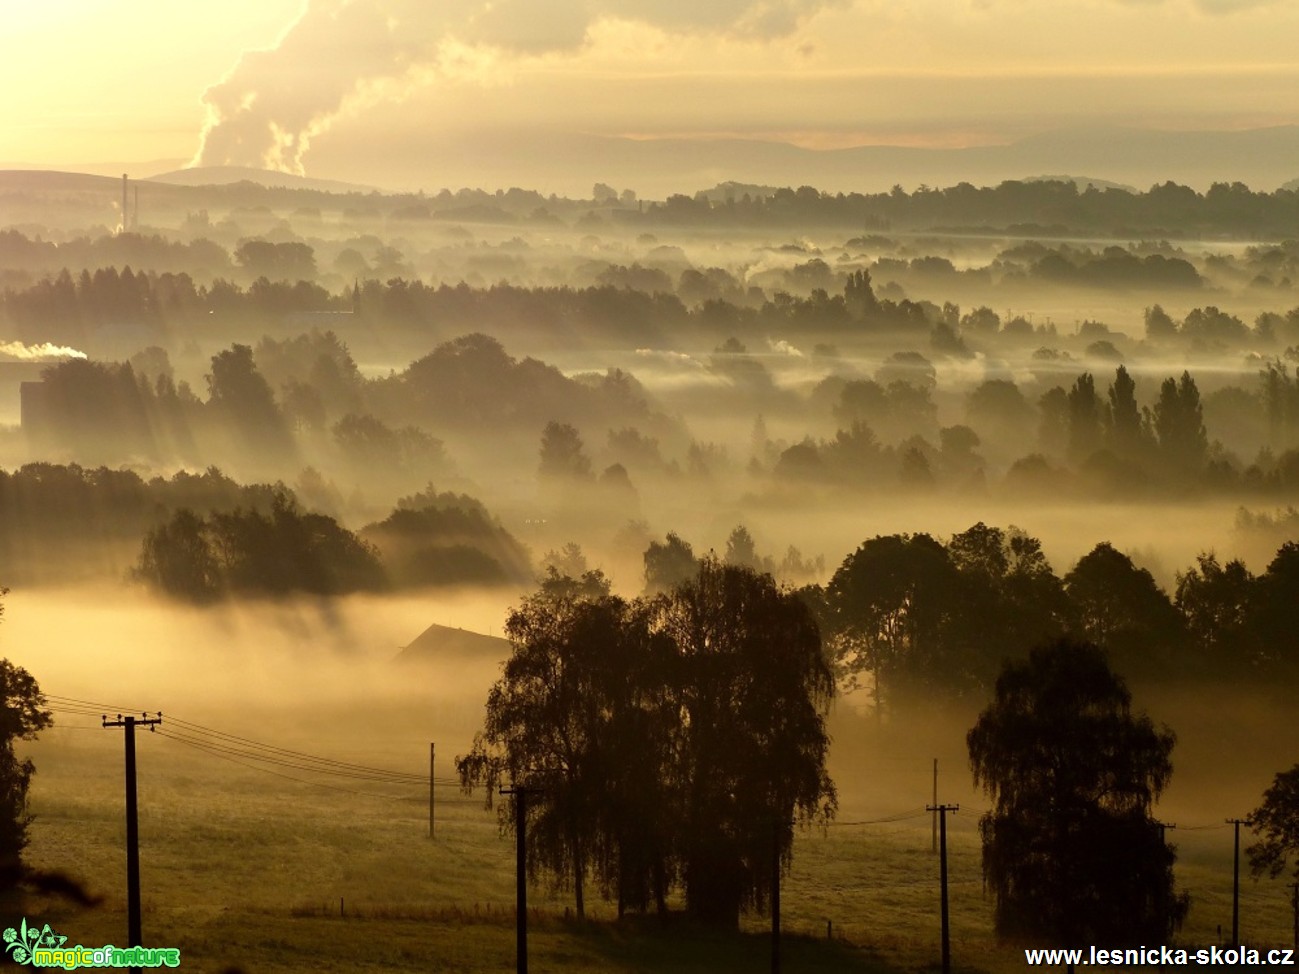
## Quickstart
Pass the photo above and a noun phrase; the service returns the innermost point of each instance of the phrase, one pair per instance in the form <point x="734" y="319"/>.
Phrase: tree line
<point x="910" y="616"/>
<point x="1166" y="209"/>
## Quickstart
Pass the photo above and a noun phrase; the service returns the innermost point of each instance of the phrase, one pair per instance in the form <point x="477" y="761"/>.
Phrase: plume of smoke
<point x="342" y="53"/>
<point x="17" y="351"/>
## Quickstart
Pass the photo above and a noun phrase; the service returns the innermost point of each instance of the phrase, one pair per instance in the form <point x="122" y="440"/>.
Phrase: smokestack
<point x="135" y="211"/>
<point x="124" y="202"/>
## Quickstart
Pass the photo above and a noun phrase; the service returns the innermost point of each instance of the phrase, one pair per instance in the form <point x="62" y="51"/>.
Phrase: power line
<point x="888" y="820"/>
<point x="255" y="750"/>
<point x="279" y="774"/>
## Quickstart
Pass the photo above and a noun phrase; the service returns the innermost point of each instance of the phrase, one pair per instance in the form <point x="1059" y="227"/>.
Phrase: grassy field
<point x="249" y="869"/>
<point x="276" y="869"/>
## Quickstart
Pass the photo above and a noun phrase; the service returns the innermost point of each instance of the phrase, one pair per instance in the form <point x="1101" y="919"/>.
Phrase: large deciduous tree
<point x="673" y="739"/>
<point x="1070" y="849"/>
<point x="1120" y="607"/>
<point x="889" y="601"/>
<point x="22" y="717"/>
<point x="548" y="722"/>
<point x="750" y="690"/>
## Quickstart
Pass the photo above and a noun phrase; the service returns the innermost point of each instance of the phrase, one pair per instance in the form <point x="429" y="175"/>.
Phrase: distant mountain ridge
<point x="570" y="163"/>
<point x="225" y="175"/>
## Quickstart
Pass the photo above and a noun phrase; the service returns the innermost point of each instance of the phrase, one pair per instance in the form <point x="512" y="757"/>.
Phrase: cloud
<point x="1217" y="7"/>
<point x="1231" y="6"/>
<point x="341" y="54"/>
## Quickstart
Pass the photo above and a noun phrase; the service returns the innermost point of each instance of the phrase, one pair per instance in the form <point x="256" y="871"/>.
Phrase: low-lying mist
<point x="316" y="675"/>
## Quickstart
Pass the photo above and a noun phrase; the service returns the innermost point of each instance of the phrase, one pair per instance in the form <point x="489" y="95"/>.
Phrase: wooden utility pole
<point x="134" y="935"/>
<point x="775" y="897"/>
<point x="942" y="811"/>
<point x="430" y="789"/>
<point x="1235" y="883"/>
<point x="935" y="848"/>
<point x="521" y="874"/>
<point x="1294" y="902"/>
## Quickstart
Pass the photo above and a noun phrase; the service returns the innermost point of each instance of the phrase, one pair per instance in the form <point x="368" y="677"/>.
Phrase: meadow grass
<point x="249" y="868"/>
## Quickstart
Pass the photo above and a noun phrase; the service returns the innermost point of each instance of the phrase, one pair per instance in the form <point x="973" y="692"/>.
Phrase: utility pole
<point x="942" y="811"/>
<point x="1163" y="826"/>
<point x="775" y="896"/>
<point x="521" y="873"/>
<point x="935" y="848"/>
<point x="430" y="789"/>
<point x="1294" y="902"/>
<point x="133" y="925"/>
<point x="1235" y="884"/>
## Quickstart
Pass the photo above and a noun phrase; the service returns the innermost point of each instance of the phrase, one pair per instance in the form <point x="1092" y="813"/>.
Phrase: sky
<point x="320" y="86"/>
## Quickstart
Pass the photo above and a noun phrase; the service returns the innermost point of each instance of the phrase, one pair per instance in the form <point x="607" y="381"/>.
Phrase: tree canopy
<point x="673" y="738"/>
<point x="1070" y="849"/>
<point x="22" y="717"/>
<point x="1276" y="821"/>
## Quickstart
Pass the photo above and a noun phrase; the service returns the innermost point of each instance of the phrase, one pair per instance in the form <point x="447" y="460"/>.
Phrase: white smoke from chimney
<point x="343" y="54"/>
<point x="44" y="352"/>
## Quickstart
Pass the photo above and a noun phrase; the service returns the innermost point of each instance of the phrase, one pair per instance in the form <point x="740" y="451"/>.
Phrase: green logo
<point x="42" y="947"/>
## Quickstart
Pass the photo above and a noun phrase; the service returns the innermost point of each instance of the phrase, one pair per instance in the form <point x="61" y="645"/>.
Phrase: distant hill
<point x="47" y="180"/>
<point x="569" y="163"/>
<point x="1083" y="182"/>
<point x="133" y="169"/>
<point x="225" y="175"/>
<point x="439" y="642"/>
<point x="736" y="191"/>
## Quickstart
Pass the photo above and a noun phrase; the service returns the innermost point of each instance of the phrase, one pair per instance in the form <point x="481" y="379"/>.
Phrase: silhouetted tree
<point x="741" y="550"/>
<point x="1276" y="593"/>
<point x="177" y="558"/>
<point x="1086" y="419"/>
<point x="1276" y="822"/>
<point x="563" y="456"/>
<point x="1179" y="425"/>
<point x="569" y="561"/>
<point x="669" y="737"/>
<point x="668" y="563"/>
<point x="859" y="295"/>
<point x="22" y="717"/>
<point x="1216" y="602"/>
<point x="290" y="261"/>
<point x="1127" y="434"/>
<point x="548" y="727"/>
<point x="239" y="395"/>
<point x="1054" y="421"/>
<point x="749" y="746"/>
<point x="999" y="410"/>
<point x="1159" y="327"/>
<point x="449" y="539"/>
<point x="890" y="601"/>
<point x="1070" y="849"/>
<point x="1119" y="607"/>
<point x="1009" y="599"/>
<point x="248" y="552"/>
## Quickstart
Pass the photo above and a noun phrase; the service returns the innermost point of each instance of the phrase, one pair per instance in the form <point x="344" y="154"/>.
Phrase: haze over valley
<point x="801" y="413"/>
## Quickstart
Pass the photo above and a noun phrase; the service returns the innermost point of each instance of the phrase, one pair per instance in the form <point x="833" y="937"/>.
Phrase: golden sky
<point x="285" y="83"/>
